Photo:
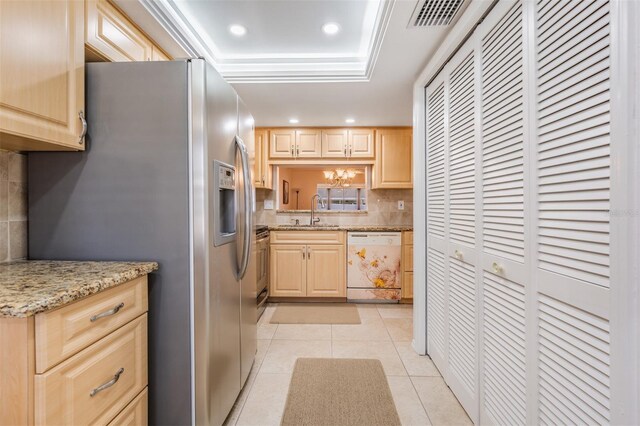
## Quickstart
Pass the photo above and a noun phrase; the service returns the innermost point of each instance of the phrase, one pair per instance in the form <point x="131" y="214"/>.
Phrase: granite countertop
<point x="359" y="228"/>
<point x="29" y="287"/>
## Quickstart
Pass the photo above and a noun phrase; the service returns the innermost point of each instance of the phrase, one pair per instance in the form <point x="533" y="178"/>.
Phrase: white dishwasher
<point x="373" y="267"/>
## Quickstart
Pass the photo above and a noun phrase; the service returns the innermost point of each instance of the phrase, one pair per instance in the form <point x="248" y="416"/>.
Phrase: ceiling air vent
<point x="434" y="12"/>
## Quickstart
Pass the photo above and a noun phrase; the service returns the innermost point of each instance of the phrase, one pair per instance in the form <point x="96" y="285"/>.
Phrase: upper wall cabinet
<point x="111" y="36"/>
<point x="393" y="164"/>
<point x="361" y="143"/>
<point x="262" y="173"/>
<point x="308" y="143"/>
<point x="347" y="143"/>
<point x="282" y="143"/>
<point x="41" y="75"/>
<point x="292" y="143"/>
<point x="158" y="55"/>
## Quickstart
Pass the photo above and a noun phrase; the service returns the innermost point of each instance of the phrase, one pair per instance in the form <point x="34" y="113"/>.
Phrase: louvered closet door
<point x="572" y="220"/>
<point x="463" y="151"/>
<point x="504" y="278"/>
<point x="437" y="233"/>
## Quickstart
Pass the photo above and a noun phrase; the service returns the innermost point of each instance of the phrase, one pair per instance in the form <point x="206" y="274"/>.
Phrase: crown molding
<point x="299" y="68"/>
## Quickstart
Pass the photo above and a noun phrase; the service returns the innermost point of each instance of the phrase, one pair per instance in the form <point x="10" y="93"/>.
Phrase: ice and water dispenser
<point x="225" y="203"/>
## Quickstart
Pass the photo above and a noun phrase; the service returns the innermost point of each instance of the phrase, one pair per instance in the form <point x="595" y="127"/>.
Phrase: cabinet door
<point x="326" y="270"/>
<point x="259" y="177"/>
<point x="282" y="143"/>
<point x="308" y="143"/>
<point x="393" y="166"/>
<point x="407" y="285"/>
<point x="334" y="143"/>
<point x="158" y="55"/>
<point x="361" y="143"/>
<point x="288" y="271"/>
<point x="110" y="35"/>
<point x="41" y="75"/>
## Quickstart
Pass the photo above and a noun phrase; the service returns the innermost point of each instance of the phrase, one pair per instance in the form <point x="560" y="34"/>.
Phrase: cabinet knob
<point x="497" y="268"/>
<point x="458" y="254"/>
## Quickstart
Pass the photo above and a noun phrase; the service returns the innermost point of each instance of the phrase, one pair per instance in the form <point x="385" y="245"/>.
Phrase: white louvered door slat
<point x="572" y="233"/>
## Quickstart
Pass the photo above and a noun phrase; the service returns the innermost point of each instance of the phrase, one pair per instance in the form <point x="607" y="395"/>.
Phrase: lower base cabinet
<point x="82" y="363"/>
<point x="407" y="265"/>
<point x="326" y="269"/>
<point x="316" y="269"/>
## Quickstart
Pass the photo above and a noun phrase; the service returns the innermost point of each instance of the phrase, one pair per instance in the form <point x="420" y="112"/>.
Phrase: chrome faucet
<point x="315" y="220"/>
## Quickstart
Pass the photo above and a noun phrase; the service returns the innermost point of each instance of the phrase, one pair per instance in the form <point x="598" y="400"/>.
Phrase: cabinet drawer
<point x="307" y="237"/>
<point x="407" y="257"/>
<point x="63" y="394"/>
<point x="136" y="413"/>
<point x="63" y="332"/>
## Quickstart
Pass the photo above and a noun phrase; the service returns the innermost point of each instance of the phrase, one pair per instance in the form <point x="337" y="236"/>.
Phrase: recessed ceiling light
<point x="350" y="120"/>
<point x="331" y="28"/>
<point x="294" y="121"/>
<point x="237" y="30"/>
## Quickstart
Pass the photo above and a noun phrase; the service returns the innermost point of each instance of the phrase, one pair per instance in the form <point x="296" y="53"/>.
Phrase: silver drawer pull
<point x="110" y="312"/>
<point x="110" y="383"/>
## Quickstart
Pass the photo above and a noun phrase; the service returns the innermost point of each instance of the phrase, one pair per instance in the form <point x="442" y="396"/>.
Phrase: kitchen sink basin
<point x="307" y="226"/>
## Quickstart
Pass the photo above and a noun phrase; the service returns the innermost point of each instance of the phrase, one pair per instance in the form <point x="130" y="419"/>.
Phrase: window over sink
<point x="341" y="188"/>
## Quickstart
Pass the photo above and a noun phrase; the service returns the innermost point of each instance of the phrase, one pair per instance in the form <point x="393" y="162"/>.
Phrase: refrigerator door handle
<point x="248" y="207"/>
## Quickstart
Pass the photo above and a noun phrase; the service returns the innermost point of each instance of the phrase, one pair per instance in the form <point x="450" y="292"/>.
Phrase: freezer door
<point x="248" y="306"/>
<point x="216" y="296"/>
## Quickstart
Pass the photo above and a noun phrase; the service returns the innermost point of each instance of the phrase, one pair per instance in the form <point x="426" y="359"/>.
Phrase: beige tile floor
<point x="420" y="394"/>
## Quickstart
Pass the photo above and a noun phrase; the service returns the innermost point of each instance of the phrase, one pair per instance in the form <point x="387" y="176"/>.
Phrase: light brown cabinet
<point x="41" y="75"/>
<point x="347" y="143"/>
<point x="111" y="36"/>
<point x="158" y="55"/>
<point x="288" y="271"/>
<point x="282" y="143"/>
<point x="308" y="143"/>
<point x="393" y="168"/>
<point x="334" y="143"/>
<point x="83" y="363"/>
<point x="308" y="264"/>
<point x="326" y="269"/>
<point x="262" y="171"/>
<point x="361" y="143"/>
<point x="407" y="265"/>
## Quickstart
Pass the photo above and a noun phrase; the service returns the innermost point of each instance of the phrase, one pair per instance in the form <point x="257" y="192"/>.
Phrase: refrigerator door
<point x="248" y="308"/>
<point x="216" y="320"/>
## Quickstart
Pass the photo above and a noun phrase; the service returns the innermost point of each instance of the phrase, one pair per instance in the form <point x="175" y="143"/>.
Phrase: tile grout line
<point x="413" y="385"/>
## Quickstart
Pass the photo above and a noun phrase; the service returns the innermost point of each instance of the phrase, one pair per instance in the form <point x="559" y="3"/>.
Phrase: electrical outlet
<point x="268" y="204"/>
<point x="401" y="205"/>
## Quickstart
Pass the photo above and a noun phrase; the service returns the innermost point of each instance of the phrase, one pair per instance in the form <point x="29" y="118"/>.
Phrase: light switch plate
<point x="268" y="204"/>
<point x="401" y="205"/>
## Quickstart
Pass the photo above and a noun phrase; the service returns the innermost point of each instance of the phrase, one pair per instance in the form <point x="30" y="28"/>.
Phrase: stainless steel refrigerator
<point x="166" y="176"/>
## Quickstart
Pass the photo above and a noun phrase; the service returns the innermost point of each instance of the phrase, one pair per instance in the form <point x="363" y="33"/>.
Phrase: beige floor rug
<point x="339" y="392"/>
<point x="315" y="313"/>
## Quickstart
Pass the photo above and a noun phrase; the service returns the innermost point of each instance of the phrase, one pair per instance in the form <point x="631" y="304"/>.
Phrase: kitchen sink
<point x="307" y="226"/>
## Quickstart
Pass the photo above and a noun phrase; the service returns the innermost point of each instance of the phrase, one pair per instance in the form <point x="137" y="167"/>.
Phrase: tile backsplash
<point x="382" y="210"/>
<point x="13" y="206"/>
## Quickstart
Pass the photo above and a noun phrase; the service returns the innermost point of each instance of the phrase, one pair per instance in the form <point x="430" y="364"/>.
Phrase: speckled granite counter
<point x="358" y="228"/>
<point x="31" y="286"/>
